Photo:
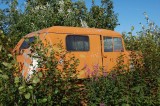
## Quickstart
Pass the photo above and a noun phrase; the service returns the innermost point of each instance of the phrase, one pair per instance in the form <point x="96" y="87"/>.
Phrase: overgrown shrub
<point x="56" y="81"/>
<point x="7" y="67"/>
<point x="123" y="87"/>
<point x="54" y="84"/>
<point x="140" y="85"/>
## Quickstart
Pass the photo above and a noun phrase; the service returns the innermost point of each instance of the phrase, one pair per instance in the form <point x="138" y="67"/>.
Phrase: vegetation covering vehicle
<point x="140" y="87"/>
<point x="91" y="46"/>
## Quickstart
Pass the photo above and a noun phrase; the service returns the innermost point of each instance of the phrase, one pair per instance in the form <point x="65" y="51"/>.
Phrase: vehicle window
<point x="118" y="44"/>
<point x="26" y="43"/>
<point x="108" y="44"/>
<point x="77" y="43"/>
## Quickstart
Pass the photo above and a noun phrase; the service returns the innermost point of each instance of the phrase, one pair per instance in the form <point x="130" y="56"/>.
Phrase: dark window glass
<point x="108" y="44"/>
<point x="77" y="43"/>
<point x="118" y="44"/>
<point x="26" y="43"/>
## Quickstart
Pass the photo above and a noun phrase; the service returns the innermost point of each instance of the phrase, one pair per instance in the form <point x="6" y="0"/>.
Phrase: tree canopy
<point x="39" y="14"/>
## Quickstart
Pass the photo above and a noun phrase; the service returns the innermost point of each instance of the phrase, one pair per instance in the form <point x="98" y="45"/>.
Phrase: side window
<point x="77" y="43"/>
<point x="108" y="44"/>
<point x="118" y="44"/>
<point x="26" y="43"/>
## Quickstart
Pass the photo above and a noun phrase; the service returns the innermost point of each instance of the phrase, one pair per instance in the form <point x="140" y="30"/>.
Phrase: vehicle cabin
<point x="90" y="45"/>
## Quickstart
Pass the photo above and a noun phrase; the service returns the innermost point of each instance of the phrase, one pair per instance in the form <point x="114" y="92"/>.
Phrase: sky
<point x="130" y="12"/>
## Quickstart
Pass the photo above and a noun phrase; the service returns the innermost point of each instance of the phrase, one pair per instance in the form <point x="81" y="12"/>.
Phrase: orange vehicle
<point x="90" y="45"/>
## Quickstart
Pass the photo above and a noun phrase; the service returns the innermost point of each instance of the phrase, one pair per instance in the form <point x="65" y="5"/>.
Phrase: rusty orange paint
<point x="95" y="55"/>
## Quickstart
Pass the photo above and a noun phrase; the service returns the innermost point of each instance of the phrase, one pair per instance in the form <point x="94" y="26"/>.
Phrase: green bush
<point x="54" y="84"/>
<point x="139" y="86"/>
<point x="7" y="67"/>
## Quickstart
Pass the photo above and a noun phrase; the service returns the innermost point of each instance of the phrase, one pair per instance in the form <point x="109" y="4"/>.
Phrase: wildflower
<point x="113" y="76"/>
<point x="102" y="104"/>
<point x="88" y="71"/>
<point x="96" y="68"/>
<point x="105" y="74"/>
<point x="96" y="79"/>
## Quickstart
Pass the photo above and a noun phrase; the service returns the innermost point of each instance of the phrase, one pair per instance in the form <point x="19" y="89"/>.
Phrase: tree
<point x="1" y="19"/>
<point x="102" y="16"/>
<point x="39" y="14"/>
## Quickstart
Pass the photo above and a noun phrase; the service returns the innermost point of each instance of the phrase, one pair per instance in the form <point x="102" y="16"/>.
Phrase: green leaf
<point x="115" y="89"/>
<point x="30" y="87"/>
<point x="36" y="80"/>
<point x="5" y="77"/>
<point x="44" y="100"/>
<point x="124" y="104"/>
<point x="132" y="28"/>
<point x="1" y="31"/>
<point x="27" y="40"/>
<point x="48" y="65"/>
<point x="5" y="64"/>
<point x="0" y="47"/>
<point x="16" y="80"/>
<point x="9" y="55"/>
<point x="27" y="96"/>
<point x="136" y="89"/>
<point x="1" y="89"/>
<point x="40" y="74"/>
<point x="64" y="100"/>
<point x="0" y="71"/>
<point x="21" y="89"/>
<point x="8" y="65"/>
<point x="56" y="91"/>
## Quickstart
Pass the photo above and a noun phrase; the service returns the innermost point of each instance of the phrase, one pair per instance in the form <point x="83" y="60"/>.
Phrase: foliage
<point x="58" y="84"/>
<point x="140" y="85"/>
<point x="53" y="84"/>
<point x="148" y="42"/>
<point x="38" y="14"/>
<point x="6" y="71"/>
<point x="102" y="16"/>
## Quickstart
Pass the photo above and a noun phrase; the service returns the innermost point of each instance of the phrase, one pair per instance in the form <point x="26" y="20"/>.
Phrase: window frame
<point x="113" y="50"/>
<point x="78" y="50"/>
<point x="104" y="45"/>
<point x="121" y="43"/>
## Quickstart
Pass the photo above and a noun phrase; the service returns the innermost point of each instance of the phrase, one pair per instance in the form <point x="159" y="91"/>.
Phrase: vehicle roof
<point x="75" y="30"/>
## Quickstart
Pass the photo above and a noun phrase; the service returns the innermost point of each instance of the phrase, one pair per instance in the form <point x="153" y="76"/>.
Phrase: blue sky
<point x="130" y="12"/>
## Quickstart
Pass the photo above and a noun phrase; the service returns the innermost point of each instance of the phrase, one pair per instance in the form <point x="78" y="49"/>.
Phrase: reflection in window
<point x="118" y="44"/>
<point x="26" y="43"/>
<point x="77" y="43"/>
<point x="108" y="45"/>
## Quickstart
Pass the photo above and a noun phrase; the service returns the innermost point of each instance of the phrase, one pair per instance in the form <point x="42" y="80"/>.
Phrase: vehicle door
<point x="112" y="48"/>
